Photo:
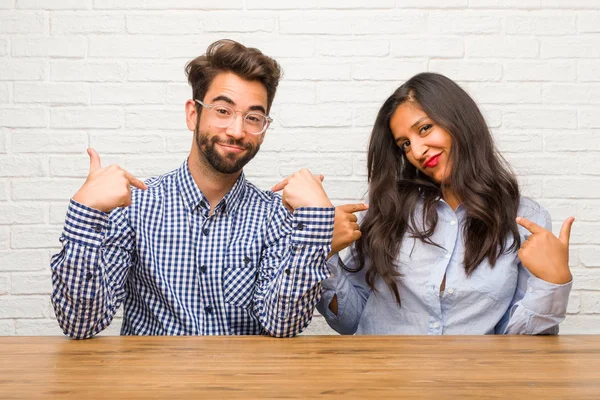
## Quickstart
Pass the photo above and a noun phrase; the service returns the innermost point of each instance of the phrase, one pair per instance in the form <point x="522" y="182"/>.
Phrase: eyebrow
<point x="231" y="102"/>
<point x="413" y="125"/>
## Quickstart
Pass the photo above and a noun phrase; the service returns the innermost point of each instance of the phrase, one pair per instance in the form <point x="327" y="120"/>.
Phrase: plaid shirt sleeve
<point x="293" y="265"/>
<point x="89" y="273"/>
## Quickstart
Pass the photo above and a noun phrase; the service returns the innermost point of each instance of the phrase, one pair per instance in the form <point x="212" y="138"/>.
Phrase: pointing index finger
<point x="530" y="226"/>
<point x="133" y="181"/>
<point x="352" y="208"/>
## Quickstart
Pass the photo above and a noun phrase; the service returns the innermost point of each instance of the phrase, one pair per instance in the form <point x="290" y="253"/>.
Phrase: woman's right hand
<point x="345" y="228"/>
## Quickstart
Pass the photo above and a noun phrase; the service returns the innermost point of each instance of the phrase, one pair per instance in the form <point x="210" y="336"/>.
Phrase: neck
<point x="213" y="184"/>
<point x="450" y="198"/>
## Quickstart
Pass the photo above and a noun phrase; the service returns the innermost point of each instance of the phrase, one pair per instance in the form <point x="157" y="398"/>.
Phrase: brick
<point x="52" y="93"/>
<point x="493" y="116"/>
<point x="4" y="190"/>
<point x="127" y="93"/>
<point x="589" y="256"/>
<point x="172" y="71"/>
<point x="4" y="237"/>
<point x="4" y="93"/>
<point x="427" y="47"/>
<point x="572" y="188"/>
<point x="540" y="71"/>
<point x="21" y="22"/>
<point x="354" y="47"/>
<point x="38" y="237"/>
<point x="86" y="22"/>
<point x="363" y="92"/>
<point x="505" y="93"/>
<point x="265" y="164"/>
<point x="330" y="166"/>
<point x="55" y="4"/>
<point x="46" y="141"/>
<point x="7" y="4"/>
<point x="45" y="189"/>
<point x="53" y="46"/>
<point x="131" y="143"/>
<point x="570" y="47"/>
<point x="4" y="284"/>
<point x="230" y="22"/>
<point x="73" y="166"/>
<point x="501" y="47"/>
<point x="3" y="145"/>
<point x="84" y="71"/>
<point x="588" y="118"/>
<point x="31" y="283"/>
<point x="285" y="47"/>
<point x="23" y="118"/>
<point x="540" y="118"/>
<point x="315" y="70"/>
<point x="178" y="143"/>
<point x="574" y="304"/>
<point x="530" y="186"/>
<point x="84" y="117"/>
<point x="145" y="167"/>
<point x="588" y="163"/>
<point x="179" y="93"/>
<point x="296" y="93"/>
<point x="324" y="115"/>
<point x="312" y="4"/>
<point x="344" y="189"/>
<point x="508" y="4"/>
<point x="364" y="116"/>
<point x="3" y="47"/>
<point x="155" y="119"/>
<point x="58" y="212"/>
<point x="571" y="93"/>
<point x="538" y="165"/>
<point x="560" y="209"/>
<point x="37" y="327"/>
<point x="571" y="4"/>
<point x="23" y="307"/>
<point x="467" y="70"/>
<point x="556" y="141"/>
<point x="359" y="165"/>
<point x="171" y="5"/>
<point x="540" y="24"/>
<point x="461" y="22"/>
<point x="517" y="142"/>
<point x="18" y="214"/>
<point x="173" y="23"/>
<point x="589" y="22"/>
<point x="588" y="71"/>
<point x="588" y="210"/>
<point x="586" y="279"/>
<point x="7" y="327"/>
<point x="24" y="260"/>
<point x="22" y="70"/>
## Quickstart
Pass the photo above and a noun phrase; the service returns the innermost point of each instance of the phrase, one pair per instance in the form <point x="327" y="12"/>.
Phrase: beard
<point x="229" y="164"/>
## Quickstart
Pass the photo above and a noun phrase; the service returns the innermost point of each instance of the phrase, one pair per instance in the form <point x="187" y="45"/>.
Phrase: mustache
<point x="232" y="142"/>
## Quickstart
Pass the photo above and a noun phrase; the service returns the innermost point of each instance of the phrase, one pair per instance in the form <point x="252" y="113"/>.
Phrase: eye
<point x="223" y="111"/>
<point x="424" y="129"/>
<point x="405" y="145"/>
<point x="254" y="118"/>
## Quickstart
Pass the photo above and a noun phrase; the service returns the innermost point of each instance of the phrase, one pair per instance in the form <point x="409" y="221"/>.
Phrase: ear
<point x="191" y="114"/>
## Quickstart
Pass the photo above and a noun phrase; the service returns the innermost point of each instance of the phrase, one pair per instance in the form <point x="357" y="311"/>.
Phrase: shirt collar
<point x="193" y="196"/>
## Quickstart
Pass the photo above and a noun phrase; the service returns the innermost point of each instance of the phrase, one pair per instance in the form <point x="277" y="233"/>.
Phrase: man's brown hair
<point x="230" y="56"/>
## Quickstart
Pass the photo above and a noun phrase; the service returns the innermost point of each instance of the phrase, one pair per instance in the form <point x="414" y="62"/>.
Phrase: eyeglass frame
<point x="268" y="119"/>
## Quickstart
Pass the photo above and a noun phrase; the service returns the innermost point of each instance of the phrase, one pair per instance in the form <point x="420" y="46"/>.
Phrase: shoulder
<point x="533" y="211"/>
<point x="158" y="186"/>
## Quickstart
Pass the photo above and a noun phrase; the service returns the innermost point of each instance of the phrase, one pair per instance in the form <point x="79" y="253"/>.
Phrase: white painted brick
<point x="427" y="47"/>
<point x="558" y="93"/>
<point x="561" y="141"/>
<point x="114" y="329"/>
<point x="588" y="70"/>
<point x="145" y="167"/>
<point x="139" y="93"/>
<point x="505" y="93"/>
<point x="4" y="92"/>
<point x="24" y="260"/>
<point x="517" y="142"/>
<point x="7" y="327"/>
<point x="129" y="142"/>
<point x="589" y="22"/>
<point x="23" y="306"/>
<point x="588" y="210"/>
<point x="238" y="22"/>
<point x="589" y="163"/>
<point x="83" y="71"/>
<point x="317" y="140"/>
<point x="23" y="117"/>
<point x="492" y="115"/>
<point x="589" y="256"/>
<point x="283" y="5"/>
<point x="345" y="189"/>
<point x="53" y="93"/>
<point x="46" y="141"/>
<point x="296" y="93"/>
<point x="321" y="4"/>
<point x="54" y="4"/>
<point x="156" y="118"/>
<point x="540" y="118"/>
<point x="22" y="70"/>
<point x="31" y="283"/>
<point x="52" y="46"/>
<point x="571" y="4"/>
<point x="21" y="22"/>
<point x="3" y="47"/>
<point x="17" y="214"/>
<point x="586" y="279"/>
<point x="83" y="117"/>
<point x="154" y="71"/>
<point x="45" y="189"/>
<point x="265" y="164"/>
<point x="529" y="4"/>
<point x="180" y="141"/>
<point x="315" y="116"/>
<point x="563" y="70"/>
<point x="4" y="237"/>
<point x="540" y="24"/>
<point x="574" y="304"/>
<point x="35" y="237"/>
<point x="364" y="116"/>
<point x="333" y="165"/>
<point x="467" y="70"/>
<point x="7" y="4"/>
<point x="501" y="47"/>
<point x="358" y="92"/>
<point x="37" y="327"/>
<point x="359" y="165"/>
<point x="3" y="190"/>
<point x="529" y="165"/>
<point x="4" y="284"/>
<point x="318" y="326"/>
<point x="461" y="22"/>
<point x="588" y="118"/>
<point x="283" y="46"/>
<point x="3" y="140"/>
<point x="73" y="166"/>
<point x="560" y="209"/>
<point x="570" y="47"/>
<point x="530" y="186"/>
<point x="58" y="212"/>
<point x="315" y="70"/>
<point x="179" y="93"/>
<point x="86" y="22"/>
<point x="354" y="47"/>
<point x="172" y="4"/>
<point x="572" y="188"/>
<point x="172" y="23"/>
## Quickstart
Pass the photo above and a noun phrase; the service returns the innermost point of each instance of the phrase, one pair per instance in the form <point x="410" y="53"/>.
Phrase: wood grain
<point x="411" y="367"/>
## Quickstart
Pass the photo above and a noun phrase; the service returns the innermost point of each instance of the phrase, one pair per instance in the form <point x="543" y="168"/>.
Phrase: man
<point x="199" y="250"/>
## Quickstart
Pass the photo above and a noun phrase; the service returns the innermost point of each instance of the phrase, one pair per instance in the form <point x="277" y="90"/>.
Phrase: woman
<point x="448" y="246"/>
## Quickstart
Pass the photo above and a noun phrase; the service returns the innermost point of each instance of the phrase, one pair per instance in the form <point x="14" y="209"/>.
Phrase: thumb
<point x="94" y="159"/>
<point x="321" y="177"/>
<point x="565" y="230"/>
<point x="352" y="208"/>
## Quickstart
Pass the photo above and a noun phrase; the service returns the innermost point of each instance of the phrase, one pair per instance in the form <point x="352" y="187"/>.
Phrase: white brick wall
<point x="109" y="73"/>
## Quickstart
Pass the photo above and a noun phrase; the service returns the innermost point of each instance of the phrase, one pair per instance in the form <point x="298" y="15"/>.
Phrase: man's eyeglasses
<point x="222" y="116"/>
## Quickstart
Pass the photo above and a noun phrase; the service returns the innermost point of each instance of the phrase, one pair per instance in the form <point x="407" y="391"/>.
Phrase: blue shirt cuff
<point x="545" y="298"/>
<point x="313" y="226"/>
<point x="85" y="225"/>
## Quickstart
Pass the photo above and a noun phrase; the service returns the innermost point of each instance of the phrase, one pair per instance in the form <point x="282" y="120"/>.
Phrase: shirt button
<point x="300" y="226"/>
<point x="246" y="260"/>
<point x="208" y="309"/>
<point x="205" y="231"/>
<point x="203" y="268"/>
<point x="453" y="222"/>
<point x="436" y="324"/>
<point x="447" y="255"/>
<point x="89" y="276"/>
<point x="287" y="271"/>
<point x="98" y="228"/>
<point x="530" y="289"/>
<point x="450" y="291"/>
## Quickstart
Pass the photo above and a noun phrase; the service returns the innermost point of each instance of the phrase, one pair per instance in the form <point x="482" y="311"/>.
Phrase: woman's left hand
<point x="545" y="255"/>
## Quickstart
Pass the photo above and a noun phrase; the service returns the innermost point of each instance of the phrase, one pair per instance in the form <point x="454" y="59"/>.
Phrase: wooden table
<point x="449" y="367"/>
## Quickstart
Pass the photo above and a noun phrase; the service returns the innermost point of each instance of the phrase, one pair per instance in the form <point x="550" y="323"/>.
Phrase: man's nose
<point x="236" y="128"/>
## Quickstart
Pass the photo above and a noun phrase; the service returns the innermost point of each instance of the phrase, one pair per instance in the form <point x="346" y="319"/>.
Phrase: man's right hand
<point x="106" y="188"/>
